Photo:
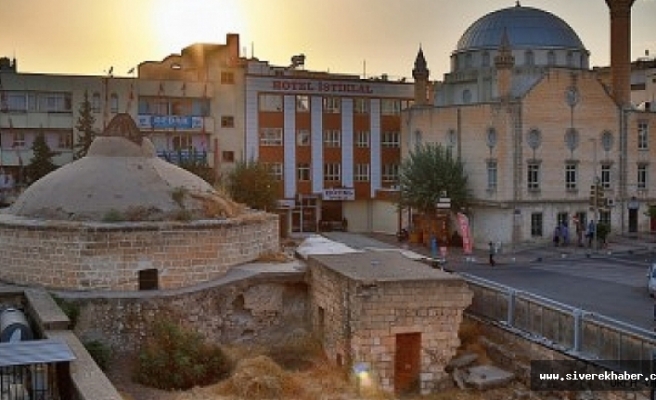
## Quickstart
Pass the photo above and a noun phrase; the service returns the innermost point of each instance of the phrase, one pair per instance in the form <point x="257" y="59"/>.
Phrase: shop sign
<point x="337" y="194"/>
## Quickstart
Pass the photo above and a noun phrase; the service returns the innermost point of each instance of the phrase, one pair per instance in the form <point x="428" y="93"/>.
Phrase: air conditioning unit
<point x="610" y="202"/>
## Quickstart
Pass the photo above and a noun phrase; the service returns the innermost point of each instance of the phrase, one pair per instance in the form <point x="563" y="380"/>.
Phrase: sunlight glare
<point x="180" y="23"/>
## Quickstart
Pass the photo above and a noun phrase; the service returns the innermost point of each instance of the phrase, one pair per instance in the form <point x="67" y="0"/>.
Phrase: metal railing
<point x="577" y="332"/>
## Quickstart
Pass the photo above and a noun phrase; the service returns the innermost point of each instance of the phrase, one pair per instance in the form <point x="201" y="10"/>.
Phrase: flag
<point x="131" y="71"/>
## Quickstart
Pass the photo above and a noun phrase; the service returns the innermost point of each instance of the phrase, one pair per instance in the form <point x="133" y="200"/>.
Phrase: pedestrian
<point x="556" y="236"/>
<point x="492" y="251"/>
<point x="564" y="231"/>
<point x="579" y="232"/>
<point x="590" y="234"/>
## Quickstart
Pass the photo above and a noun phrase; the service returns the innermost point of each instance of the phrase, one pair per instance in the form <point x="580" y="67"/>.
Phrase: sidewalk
<point x="635" y="244"/>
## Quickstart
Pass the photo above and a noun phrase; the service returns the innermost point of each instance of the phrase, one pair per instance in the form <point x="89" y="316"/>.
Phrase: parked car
<point x="651" y="279"/>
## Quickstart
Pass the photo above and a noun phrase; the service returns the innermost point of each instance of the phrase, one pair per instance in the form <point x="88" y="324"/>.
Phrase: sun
<point x="179" y="23"/>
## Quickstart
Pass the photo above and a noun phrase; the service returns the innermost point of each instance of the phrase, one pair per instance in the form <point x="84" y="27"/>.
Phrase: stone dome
<point x="527" y="28"/>
<point x="120" y="178"/>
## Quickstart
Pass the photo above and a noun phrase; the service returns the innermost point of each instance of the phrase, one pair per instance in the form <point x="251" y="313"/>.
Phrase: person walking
<point x="492" y="251"/>
<point x="590" y="234"/>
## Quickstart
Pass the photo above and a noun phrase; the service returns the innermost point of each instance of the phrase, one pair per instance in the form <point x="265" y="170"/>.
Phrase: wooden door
<point x="407" y="363"/>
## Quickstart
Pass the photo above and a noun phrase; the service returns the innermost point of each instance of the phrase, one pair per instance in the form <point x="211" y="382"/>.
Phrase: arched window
<point x="113" y="102"/>
<point x="486" y="59"/>
<point x="529" y="58"/>
<point x="551" y="58"/>
<point x="95" y="102"/>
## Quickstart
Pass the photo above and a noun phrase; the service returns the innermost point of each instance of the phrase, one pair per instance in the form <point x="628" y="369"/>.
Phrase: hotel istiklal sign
<point x="337" y="194"/>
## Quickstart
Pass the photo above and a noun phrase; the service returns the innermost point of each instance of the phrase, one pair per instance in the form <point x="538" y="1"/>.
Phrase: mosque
<point x="536" y="128"/>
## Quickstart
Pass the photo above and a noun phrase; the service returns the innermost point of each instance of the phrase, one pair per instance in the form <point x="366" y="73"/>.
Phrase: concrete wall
<point x="109" y="256"/>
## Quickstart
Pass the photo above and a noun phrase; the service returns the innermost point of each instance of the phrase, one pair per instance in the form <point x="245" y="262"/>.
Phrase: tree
<point x="196" y="164"/>
<point x="253" y="184"/>
<point x="429" y="172"/>
<point x="84" y="126"/>
<point x="41" y="163"/>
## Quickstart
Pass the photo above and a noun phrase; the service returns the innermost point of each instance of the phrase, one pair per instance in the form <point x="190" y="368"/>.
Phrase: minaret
<point x="420" y="73"/>
<point x="504" y="63"/>
<point x="620" y="49"/>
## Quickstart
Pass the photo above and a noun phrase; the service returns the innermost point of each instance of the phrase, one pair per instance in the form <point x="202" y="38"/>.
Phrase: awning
<point x="34" y="352"/>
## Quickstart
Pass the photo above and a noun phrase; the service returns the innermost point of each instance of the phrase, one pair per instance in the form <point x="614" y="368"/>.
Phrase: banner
<point x="463" y="222"/>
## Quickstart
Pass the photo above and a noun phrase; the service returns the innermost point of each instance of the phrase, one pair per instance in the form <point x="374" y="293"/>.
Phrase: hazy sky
<point x="349" y="36"/>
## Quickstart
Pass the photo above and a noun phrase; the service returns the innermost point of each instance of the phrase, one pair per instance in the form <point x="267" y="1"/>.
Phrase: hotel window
<point x="332" y="105"/>
<point x="390" y="107"/>
<point x="228" y="156"/>
<point x="54" y="102"/>
<point x="227" y="78"/>
<point x="332" y="138"/>
<point x="113" y="103"/>
<point x="390" y="172"/>
<point x="302" y="137"/>
<point x="642" y="176"/>
<point x="302" y="103"/>
<point x="270" y="102"/>
<point x="275" y="169"/>
<point x="362" y="139"/>
<point x="643" y="135"/>
<point x="491" y="175"/>
<point x="181" y="142"/>
<point x="270" y="136"/>
<point x="571" y="174"/>
<point x="536" y="224"/>
<point x="361" y="106"/>
<point x="361" y="173"/>
<point x="227" y="121"/>
<point x="605" y="176"/>
<point x="65" y="140"/>
<point x="95" y="102"/>
<point x="19" y="140"/>
<point x="533" y="176"/>
<point x="332" y="172"/>
<point x="303" y="172"/>
<point x="390" y="139"/>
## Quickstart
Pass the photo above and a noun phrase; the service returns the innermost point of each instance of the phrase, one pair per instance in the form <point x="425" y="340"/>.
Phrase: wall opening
<point x="148" y="279"/>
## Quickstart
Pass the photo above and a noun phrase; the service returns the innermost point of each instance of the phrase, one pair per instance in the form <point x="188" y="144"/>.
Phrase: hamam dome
<point x="120" y="178"/>
<point x="526" y="27"/>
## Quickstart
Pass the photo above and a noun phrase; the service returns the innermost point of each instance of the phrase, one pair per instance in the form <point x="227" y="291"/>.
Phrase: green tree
<point x="84" y="126"/>
<point x="426" y="174"/>
<point x="41" y="163"/>
<point x="253" y="184"/>
<point x="196" y="165"/>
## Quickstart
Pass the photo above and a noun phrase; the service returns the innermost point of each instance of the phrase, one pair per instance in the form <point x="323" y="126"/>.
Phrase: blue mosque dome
<point x="526" y="27"/>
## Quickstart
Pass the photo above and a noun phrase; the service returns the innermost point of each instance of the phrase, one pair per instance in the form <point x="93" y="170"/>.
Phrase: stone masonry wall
<point x="264" y="309"/>
<point x="361" y="321"/>
<point x="108" y="256"/>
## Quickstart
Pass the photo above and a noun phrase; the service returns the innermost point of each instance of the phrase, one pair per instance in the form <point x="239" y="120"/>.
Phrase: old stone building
<point x="536" y="128"/>
<point x="387" y="317"/>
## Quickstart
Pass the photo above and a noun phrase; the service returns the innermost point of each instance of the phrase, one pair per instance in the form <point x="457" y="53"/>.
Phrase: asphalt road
<point x="612" y="286"/>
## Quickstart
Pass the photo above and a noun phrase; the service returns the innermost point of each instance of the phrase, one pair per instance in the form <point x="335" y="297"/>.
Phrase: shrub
<point x="100" y="353"/>
<point x="72" y="310"/>
<point x="113" y="216"/>
<point x="176" y="358"/>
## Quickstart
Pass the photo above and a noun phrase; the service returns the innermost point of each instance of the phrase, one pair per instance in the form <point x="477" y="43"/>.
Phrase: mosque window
<point x="466" y="96"/>
<point x="95" y="102"/>
<point x="571" y="175"/>
<point x="529" y="58"/>
<point x="642" y="176"/>
<point x="607" y="140"/>
<point x="113" y="101"/>
<point x="572" y="139"/>
<point x="491" y="174"/>
<point x="551" y="58"/>
<point x="491" y="138"/>
<point x="605" y="175"/>
<point x="536" y="224"/>
<point x="468" y="60"/>
<point x="533" y="175"/>
<point x="486" y="59"/>
<point x="643" y="135"/>
<point x="570" y="59"/>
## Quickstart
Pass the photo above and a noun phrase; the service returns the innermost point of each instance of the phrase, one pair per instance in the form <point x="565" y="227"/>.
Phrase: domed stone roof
<point x="527" y="27"/>
<point x="120" y="178"/>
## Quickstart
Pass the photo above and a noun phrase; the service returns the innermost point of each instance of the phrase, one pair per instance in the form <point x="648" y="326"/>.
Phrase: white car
<point x="651" y="280"/>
